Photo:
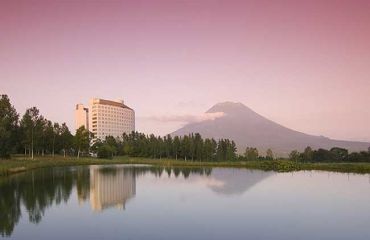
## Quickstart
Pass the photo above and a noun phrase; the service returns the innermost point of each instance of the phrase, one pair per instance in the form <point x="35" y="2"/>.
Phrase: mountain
<point x="248" y="128"/>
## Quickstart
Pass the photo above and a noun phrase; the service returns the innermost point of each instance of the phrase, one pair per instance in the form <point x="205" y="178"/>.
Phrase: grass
<point x="360" y="167"/>
<point x="19" y="164"/>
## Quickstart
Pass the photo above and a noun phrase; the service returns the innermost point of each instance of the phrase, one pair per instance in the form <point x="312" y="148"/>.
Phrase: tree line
<point x="190" y="147"/>
<point x="32" y="134"/>
<point x="335" y="154"/>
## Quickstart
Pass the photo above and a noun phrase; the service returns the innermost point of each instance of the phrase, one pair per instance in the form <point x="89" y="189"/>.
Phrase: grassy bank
<point x="19" y="164"/>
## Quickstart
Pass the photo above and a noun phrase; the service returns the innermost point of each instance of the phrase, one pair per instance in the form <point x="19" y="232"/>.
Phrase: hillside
<point x="248" y="128"/>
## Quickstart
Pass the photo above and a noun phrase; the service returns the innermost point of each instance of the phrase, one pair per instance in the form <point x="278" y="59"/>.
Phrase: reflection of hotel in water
<point x="111" y="187"/>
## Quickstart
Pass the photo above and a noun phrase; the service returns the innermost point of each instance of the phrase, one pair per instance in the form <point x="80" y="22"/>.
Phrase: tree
<point x="230" y="150"/>
<point x="191" y="146"/>
<point x="48" y="136"/>
<point x="105" y="151"/>
<point x="185" y="147"/>
<point x="82" y="140"/>
<point x="308" y="154"/>
<point x="209" y="149"/>
<point x="269" y="154"/>
<point x="112" y="143"/>
<point x="161" y="147"/>
<point x="198" y="146"/>
<point x="226" y="150"/>
<point x="168" y="145"/>
<point x="8" y="126"/>
<point x="251" y="154"/>
<point x="126" y="147"/>
<point x="66" y="138"/>
<point x="153" y="145"/>
<point x="294" y="155"/>
<point x="31" y="127"/>
<point x="56" y="137"/>
<point x="339" y="154"/>
<point x="322" y="155"/>
<point x="221" y="150"/>
<point x="176" y="146"/>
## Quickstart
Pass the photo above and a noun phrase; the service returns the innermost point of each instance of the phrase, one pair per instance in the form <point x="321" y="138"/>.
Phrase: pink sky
<point x="303" y="64"/>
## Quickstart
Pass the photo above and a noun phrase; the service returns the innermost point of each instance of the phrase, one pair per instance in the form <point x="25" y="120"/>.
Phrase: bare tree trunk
<point x="78" y="153"/>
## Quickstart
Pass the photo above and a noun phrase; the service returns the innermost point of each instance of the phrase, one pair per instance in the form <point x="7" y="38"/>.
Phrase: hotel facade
<point x="106" y="118"/>
<point x="81" y="116"/>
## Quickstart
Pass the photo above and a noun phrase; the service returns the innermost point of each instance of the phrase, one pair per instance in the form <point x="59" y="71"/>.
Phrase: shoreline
<point x="20" y="164"/>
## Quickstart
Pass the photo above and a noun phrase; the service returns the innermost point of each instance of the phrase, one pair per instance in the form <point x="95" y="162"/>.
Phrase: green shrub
<point x="105" y="151"/>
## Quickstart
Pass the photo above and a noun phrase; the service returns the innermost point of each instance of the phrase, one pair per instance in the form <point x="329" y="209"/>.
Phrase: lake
<point x="146" y="202"/>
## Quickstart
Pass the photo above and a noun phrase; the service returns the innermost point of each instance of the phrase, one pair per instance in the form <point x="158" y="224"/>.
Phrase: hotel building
<point x="81" y="116"/>
<point x="108" y="118"/>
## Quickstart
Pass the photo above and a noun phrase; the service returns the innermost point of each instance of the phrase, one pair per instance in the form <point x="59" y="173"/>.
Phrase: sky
<point x="303" y="64"/>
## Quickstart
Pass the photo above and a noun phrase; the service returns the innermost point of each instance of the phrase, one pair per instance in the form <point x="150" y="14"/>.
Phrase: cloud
<point x="187" y="118"/>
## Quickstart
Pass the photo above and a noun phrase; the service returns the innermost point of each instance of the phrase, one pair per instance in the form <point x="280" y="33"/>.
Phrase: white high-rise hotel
<point x="106" y="118"/>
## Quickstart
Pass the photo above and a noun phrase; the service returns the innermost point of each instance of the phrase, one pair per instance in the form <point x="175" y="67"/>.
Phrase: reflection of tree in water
<point x="10" y="209"/>
<point x="158" y="171"/>
<point x="40" y="189"/>
<point x="36" y="191"/>
<point x="83" y="184"/>
<point x="181" y="171"/>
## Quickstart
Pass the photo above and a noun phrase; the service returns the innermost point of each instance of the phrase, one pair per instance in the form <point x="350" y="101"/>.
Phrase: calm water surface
<point x="143" y="202"/>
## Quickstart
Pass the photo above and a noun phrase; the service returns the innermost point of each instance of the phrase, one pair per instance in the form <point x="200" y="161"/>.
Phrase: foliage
<point x="251" y="154"/>
<point x="65" y="139"/>
<point x="339" y="154"/>
<point x="33" y="134"/>
<point x="190" y="147"/>
<point x="269" y="154"/>
<point x="105" y="151"/>
<point x="294" y="156"/>
<point x="8" y="127"/>
<point x="307" y="154"/>
<point x="335" y="154"/>
<point x="82" y="140"/>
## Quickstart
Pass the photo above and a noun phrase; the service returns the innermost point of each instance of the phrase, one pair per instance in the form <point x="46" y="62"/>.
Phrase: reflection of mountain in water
<point x="235" y="181"/>
<point x="111" y="187"/>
